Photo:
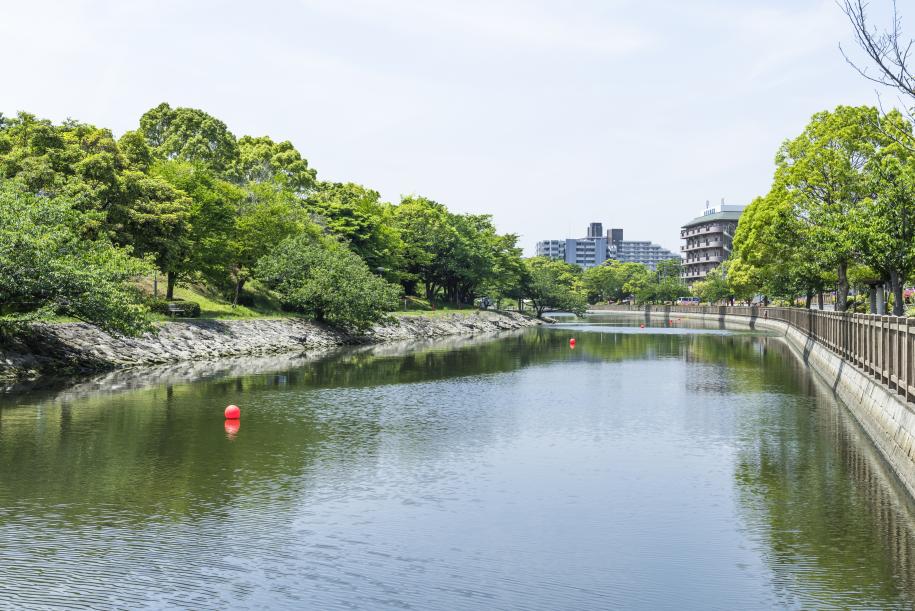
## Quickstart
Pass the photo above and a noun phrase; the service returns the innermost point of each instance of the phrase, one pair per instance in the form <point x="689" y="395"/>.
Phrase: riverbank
<point x="886" y="417"/>
<point x="76" y="348"/>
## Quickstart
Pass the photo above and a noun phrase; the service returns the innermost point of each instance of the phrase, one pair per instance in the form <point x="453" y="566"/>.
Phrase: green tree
<point x="76" y="160"/>
<point x="47" y="266"/>
<point x="261" y="160"/>
<point x="554" y="285"/>
<point x="822" y="172"/>
<point x="211" y="212"/>
<point x="714" y="287"/>
<point x="324" y="279"/>
<point x="263" y="219"/>
<point x="424" y="228"/>
<point x="622" y="280"/>
<point x="135" y="150"/>
<point x="774" y="253"/>
<point x="471" y="256"/>
<point x="358" y="216"/>
<point x="154" y="219"/>
<point x="614" y="281"/>
<point x="507" y="271"/>
<point x="189" y="134"/>
<point x="885" y="227"/>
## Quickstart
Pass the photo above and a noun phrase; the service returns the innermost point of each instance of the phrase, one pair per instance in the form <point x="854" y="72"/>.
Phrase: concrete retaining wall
<point x="887" y="419"/>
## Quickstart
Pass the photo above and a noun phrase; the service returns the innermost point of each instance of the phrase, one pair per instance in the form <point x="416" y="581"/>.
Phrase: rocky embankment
<point x="81" y="348"/>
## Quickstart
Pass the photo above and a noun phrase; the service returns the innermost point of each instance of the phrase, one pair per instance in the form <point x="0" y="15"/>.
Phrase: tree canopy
<point x="554" y="285"/>
<point x="48" y="267"/>
<point x="842" y="199"/>
<point x="182" y="196"/>
<point x="324" y="279"/>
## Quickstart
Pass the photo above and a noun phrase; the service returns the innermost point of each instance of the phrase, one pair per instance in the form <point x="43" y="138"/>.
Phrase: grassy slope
<point x="212" y="305"/>
<point x="422" y="307"/>
<point x="265" y="305"/>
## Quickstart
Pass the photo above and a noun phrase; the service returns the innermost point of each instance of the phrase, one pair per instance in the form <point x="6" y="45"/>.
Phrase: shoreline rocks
<point x="79" y="348"/>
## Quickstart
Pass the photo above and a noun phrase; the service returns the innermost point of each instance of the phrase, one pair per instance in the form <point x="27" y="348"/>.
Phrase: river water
<point x="672" y="467"/>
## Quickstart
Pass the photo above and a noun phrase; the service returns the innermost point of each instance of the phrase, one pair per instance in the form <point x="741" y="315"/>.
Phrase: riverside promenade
<point x="866" y="359"/>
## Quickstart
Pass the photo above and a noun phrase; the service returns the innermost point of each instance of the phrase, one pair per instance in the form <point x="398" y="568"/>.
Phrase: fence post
<point x="899" y="351"/>
<point x="907" y="358"/>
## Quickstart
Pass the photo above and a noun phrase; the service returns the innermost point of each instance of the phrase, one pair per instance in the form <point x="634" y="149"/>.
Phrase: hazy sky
<point x="548" y="115"/>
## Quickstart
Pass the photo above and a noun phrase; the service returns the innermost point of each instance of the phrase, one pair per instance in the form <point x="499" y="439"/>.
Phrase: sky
<point x="547" y="115"/>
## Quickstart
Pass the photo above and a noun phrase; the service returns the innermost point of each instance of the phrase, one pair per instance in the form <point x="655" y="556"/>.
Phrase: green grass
<point x="266" y="305"/>
<point x="416" y="306"/>
<point x="216" y="306"/>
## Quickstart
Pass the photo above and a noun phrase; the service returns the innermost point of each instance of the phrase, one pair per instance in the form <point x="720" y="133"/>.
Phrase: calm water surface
<point x="657" y="468"/>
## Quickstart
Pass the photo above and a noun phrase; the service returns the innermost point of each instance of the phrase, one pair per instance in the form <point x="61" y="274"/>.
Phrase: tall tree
<point x="424" y="228"/>
<point x="213" y="204"/>
<point x="76" y="160"/>
<point x="264" y="218"/>
<point x="554" y="285"/>
<point x="261" y="160"/>
<point x="358" y="216"/>
<point x="154" y="218"/>
<point x="774" y="253"/>
<point x="823" y="172"/>
<point x="885" y="226"/>
<point x="714" y="287"/>
<point x="189" y="134"/>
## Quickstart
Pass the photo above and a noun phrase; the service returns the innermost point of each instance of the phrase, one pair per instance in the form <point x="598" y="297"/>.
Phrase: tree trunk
<point x="239" y="284"/>
<point x="842" y="288"/>
<point x="808" y="299"/>
<point x="820" y="300"/>
<point x="431" y="288"/>
<point x="170" y="290"/>
<point x="896" y="285"/>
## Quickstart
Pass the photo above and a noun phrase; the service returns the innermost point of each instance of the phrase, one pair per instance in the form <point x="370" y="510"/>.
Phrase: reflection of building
<point x="708" y="240"/>
<point x="595" y="248"/>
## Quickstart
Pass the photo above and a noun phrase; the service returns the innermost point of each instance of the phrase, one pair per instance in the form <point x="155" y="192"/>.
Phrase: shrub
<point x="324" y="279"/>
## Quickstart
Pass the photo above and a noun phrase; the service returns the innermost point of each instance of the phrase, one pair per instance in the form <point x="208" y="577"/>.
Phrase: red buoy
<point x="642" y="326"/>
<point x="572" y="342"/>
<point x="233" y="413"/>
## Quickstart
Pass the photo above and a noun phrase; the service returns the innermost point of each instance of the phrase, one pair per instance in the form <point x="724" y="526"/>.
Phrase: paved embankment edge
<point x="887" y="419"/>
<point x="72" y="348"/>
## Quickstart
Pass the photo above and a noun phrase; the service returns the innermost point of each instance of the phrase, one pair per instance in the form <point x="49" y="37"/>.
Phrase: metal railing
<point x="881" y="346"/>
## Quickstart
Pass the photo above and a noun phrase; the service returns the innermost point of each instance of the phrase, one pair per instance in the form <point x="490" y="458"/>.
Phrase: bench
<point x="176" y="309"/>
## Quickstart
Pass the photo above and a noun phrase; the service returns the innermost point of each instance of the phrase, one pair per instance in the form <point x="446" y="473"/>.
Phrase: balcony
<point x="706" y="244"/>
<point x="694" y="275"/>
<point x="708" y="259"/>
<point x="705" y="230"/>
